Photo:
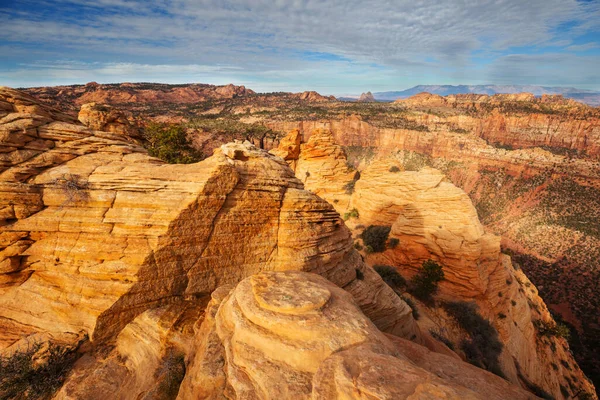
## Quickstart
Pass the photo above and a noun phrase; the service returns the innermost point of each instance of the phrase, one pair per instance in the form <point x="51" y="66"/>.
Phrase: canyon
<point x="215" y="264"/>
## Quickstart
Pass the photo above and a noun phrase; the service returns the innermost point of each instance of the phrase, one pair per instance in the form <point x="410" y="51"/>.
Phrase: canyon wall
<point x="432" y="219"/>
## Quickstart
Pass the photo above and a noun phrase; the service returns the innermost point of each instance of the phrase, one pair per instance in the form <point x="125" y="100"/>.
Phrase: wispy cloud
<point x="414" y="40"/>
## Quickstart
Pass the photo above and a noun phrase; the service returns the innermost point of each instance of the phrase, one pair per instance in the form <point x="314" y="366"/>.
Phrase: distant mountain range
<point x="585" y="96"/>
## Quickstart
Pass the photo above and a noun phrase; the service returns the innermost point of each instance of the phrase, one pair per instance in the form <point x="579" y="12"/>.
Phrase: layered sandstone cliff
<point x="432" y="219"/>
<point x="295" y="335"/>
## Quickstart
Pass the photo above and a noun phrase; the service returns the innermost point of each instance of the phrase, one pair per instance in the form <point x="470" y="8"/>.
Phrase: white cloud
<point x="412" y="37"/>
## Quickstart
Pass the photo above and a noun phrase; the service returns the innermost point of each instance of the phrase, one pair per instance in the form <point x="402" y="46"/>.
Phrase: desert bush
<point x="170" y="375"/>
<point x="393" y="243"/>
<point x="73" y="186"/>
<point x="21" y="377"/>
<point x="351" y="214"/>
<point x="170" y="144"/>
<point x="375" y="236"/>
<point x="483" y="346"/>
<point x="552" y="329"/>
<point x="390" y="276"/>
<point x="424" y="284"/>
<point x="394" y="168"/>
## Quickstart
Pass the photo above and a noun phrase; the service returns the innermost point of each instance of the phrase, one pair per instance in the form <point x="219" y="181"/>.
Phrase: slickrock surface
<point x="101" y="117"/>
<point x="147" y="359"/>
<point x="295" y="335"/>
<point x="433" y="219"/>
<point x="96" y="232"/>
<point x="542" y="201"/>
<point x="320" y="164"/>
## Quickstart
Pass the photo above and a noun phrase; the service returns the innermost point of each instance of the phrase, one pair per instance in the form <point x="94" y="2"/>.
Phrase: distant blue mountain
<point x="586" y="96"/>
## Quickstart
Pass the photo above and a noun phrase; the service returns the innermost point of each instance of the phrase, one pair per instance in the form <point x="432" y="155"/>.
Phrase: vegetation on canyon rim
<point x="35" y="373"/>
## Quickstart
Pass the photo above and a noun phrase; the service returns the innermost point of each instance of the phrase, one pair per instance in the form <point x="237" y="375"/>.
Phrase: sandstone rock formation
<point x="106" y="118"/>
<point x="86" y="249"/>
<point x="433" y="219"/>
<point x="135" y="93"/>
<point x="541" y="200"/>
<point x="320" y="164"/>
<point x="366" y="97"/>
<point x="313" y="96"/>
<point x="86" y="216"/>
<point x="295" y="335"/>
<point x="100" y="240"/>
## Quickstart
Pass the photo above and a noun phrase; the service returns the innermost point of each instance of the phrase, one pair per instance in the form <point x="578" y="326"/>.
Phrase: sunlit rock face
<point x="432" y="219"/>
<point x="295" y="335"/>
<point x="96" y="231"/>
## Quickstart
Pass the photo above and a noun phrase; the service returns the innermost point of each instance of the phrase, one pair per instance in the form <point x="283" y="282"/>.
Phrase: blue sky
<point x="332" y="46"/>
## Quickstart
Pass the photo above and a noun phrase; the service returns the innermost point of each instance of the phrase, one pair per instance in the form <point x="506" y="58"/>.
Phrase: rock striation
<point x="432" y="219"/>
<point x="106" y="118"/>
<point x="321" y="164"/>
<point x="295" y="335"/>
<point x="85" y="248"/>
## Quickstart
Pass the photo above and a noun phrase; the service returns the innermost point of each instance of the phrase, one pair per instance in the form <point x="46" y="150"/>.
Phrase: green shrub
<point x="170" y="144"/>
<point x="552" y="329"/>
<point x="351" y="214"/>
<point x="22" y="378"/>
<point x="394" y="168"/>
<point x="375" y="236"/>
<point x="390" y="276"/>
<point x="424" y="284"/>
<point x="483" y="346"/>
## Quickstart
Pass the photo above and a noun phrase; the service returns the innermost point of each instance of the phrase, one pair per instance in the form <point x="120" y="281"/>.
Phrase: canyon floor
<point x="213" y="270"/>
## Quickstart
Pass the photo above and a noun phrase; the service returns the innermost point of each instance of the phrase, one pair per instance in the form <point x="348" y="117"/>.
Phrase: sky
<point x="332" y="46"/>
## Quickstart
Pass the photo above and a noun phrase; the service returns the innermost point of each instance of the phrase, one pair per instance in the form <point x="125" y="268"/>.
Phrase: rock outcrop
<point x="366" y="98"/>
<point x="112" y="94"/>
<point x="106" y="118"/>
<point x="321" y="164"/>
<point x="432" y="219"/>
<point x="101" y="241"/>
<point x="85" y="248"/>
<point x="295" y="335"/>
<point x="312" y="96"/>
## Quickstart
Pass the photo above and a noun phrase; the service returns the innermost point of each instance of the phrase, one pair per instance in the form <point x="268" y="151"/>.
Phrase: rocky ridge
<point x="101" y="241"/>
<point x="433" y="219"/>
<point x="112" y="94"/>
<point x="366" y="97"/>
